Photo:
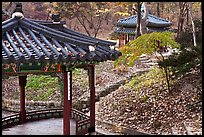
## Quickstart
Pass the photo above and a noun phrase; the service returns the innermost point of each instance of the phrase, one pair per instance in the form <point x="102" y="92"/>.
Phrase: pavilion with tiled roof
<point x="126" y="27"/>
<point x="43" y="47"/>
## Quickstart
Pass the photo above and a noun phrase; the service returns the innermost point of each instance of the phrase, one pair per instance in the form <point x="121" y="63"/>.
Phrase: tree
<point x="89" y="14"/>
<point x="7" y="6"/>
<point x="145" y="44"/>
<point x="183" y="6"/>
<point x="189" y="57"/>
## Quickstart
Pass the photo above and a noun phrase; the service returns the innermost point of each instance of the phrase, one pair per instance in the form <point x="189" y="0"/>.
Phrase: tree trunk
<point x="134" y="7"/>
<point x="181" y="18"/>
<point x="162" y="7"/>
<point x="158" y="9"/>
<point x="183" y="11"/>
<point x="166" y="74"/>
<point x="143" y="24"/>
<point x="193" y="26"/>
<point x="138" y="20"/>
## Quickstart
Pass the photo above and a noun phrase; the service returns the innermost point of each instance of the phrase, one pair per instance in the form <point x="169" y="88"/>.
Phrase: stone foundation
<point x="14" y="105"/>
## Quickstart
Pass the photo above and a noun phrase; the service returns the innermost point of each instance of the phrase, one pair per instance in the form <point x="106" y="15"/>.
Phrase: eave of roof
<point x="152" y="21"/>
<point x="62" y="27"/>
<point x="28" y="41"/>
<point x="132" y="31"/>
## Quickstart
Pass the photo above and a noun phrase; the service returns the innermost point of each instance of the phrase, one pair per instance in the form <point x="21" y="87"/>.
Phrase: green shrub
<point x="144" y="44"/>
<point x="189" y="56"/>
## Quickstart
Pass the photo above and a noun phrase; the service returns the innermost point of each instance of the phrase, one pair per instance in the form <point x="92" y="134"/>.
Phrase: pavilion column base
<point x="23" y="116"/>
<point x="92" y="131"/>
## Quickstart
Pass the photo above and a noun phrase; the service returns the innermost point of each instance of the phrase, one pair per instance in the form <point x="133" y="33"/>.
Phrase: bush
<point x="189" y="56"/>
<point x="144" y="44"/>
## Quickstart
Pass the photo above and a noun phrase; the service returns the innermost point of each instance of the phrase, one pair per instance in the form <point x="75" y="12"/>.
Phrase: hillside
<point x="153" y="110"/>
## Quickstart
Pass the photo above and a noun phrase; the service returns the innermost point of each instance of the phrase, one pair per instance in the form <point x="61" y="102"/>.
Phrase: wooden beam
<point x="22" y="83"/>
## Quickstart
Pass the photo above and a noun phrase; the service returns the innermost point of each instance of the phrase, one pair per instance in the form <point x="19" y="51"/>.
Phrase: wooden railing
<point x="82" y="127"/>
<point x="10" y="121"/>
<point x="44" y="114"/>
<point x="82" y="120"/>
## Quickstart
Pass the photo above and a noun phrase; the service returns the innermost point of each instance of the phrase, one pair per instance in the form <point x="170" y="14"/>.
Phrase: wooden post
<point x="92" y="99"/>
<point x="125" y="37"/>
<point x="70" y="82"/>
<point x="120" y="40"/>
<point x="128" y="38"/>
<point x="22" y="83"/>
<point x="67" y="110"/>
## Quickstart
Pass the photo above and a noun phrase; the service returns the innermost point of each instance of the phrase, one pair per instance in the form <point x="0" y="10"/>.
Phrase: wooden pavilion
<point x="126" y="27"/>
<point x="45" y="47"/>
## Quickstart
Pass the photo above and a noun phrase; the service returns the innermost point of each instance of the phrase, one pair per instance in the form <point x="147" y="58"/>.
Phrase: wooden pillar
<point x="92" y="99"/>
<point x="70" y="82"/>
<point x="125" y="37"/>
<point x="128" y="38"/>
<point x="22" y="83"/>
<point x="120" y="40"/>
<point x="67" y="108"/>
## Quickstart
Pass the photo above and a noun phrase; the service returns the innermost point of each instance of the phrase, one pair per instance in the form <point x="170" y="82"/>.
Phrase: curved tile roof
<point x="132" y="31"/>
<point x="62" y="27"/>
<point x="25" y="41"/>
<point x="152" y="21"/>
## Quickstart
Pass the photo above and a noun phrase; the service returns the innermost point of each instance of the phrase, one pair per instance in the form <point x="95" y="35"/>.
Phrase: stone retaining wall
<point x="14" y="105"/>
<point x="119" y="129"/>
<point x="82" y="103"/>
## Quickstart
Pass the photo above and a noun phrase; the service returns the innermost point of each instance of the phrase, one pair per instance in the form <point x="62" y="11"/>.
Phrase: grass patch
<point x="148" y="79"/>
<point x="41" y="87"/>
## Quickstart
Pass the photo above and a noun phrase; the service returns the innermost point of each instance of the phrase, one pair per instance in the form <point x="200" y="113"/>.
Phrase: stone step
<point x="152" y="63"/>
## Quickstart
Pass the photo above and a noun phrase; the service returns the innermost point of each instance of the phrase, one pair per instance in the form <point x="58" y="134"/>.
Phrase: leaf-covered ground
<point x="152" y="109"/>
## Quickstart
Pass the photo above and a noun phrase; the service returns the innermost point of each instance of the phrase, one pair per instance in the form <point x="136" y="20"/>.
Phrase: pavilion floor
<point x="52" y="126"/>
